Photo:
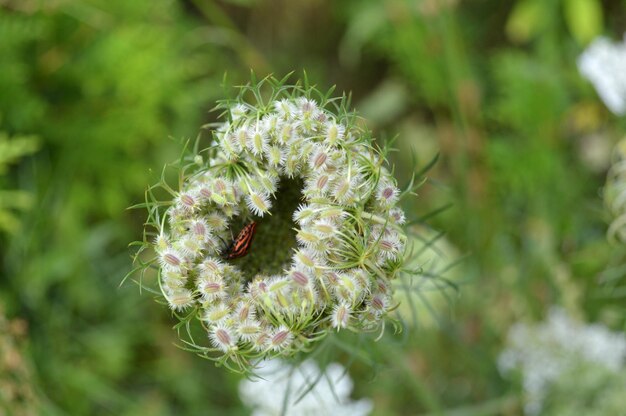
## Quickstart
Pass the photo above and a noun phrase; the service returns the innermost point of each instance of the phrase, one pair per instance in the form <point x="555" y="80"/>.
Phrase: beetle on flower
<point x="327" y="258"/>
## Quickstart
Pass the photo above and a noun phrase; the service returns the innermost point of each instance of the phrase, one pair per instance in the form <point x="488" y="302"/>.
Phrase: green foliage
<point x="588" y="389"/>
<point x="584" y="19"/>
<point x="527" y="20"/>
<point x="102" y="84"/>
<point x="492" y="86"/>
<point x="11" y="150"/>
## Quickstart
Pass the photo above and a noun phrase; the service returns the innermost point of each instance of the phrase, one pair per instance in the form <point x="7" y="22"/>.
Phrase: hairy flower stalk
<point x="328" y="238"/>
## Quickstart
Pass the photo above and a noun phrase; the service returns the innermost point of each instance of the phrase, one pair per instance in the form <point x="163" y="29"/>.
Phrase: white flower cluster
<point x="544" y="352"/>
<point x="604" y="64"/>
<point x="281" y="385"/>
<point x="350" y="242"/>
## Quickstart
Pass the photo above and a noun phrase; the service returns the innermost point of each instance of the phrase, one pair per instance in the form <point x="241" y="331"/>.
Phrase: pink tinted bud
<point x="187" y="200"/>
<point x="280" y="338"/>
<point x="300" y="278"/>
<point x="171" y="259"/>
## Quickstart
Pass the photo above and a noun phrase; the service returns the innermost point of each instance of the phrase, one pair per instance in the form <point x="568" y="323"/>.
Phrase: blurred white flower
<point x="545" y="351"/>
<point x="604" y="64"/>
<point x="280" y="385"/>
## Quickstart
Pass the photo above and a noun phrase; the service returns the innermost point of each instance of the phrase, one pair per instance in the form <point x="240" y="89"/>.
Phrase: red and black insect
<point x="241" y="244"/>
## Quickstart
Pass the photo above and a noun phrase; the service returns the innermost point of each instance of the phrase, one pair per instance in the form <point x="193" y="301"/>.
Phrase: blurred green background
<point x="95" y="96"/>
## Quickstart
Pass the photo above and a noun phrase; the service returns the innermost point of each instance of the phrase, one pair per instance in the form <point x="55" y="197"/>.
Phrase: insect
<point x="241" y="244"/>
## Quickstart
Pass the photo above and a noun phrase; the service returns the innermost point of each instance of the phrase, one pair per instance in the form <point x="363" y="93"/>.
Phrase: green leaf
<point x="527" y="20"/>
<point x="584" y="19"/>
<point x="12" y="149"/>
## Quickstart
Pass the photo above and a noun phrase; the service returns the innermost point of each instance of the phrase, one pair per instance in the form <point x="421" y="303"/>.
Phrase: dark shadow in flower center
<point x="272" y="247"/>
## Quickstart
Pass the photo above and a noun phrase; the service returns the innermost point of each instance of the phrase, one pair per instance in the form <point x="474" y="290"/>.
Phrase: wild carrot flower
<point x="604" y="64"/>
<point x="328" y="227"/>
<point x="546" y="351"/>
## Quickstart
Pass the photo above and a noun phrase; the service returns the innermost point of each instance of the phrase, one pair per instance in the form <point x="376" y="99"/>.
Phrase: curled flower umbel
<point x="284" y="228"/>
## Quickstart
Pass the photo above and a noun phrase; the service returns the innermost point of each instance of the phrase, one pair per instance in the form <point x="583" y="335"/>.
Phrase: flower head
<point x="329" y="228"/>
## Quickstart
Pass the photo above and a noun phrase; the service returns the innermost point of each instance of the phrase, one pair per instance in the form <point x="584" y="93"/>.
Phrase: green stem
<point x="380" y="220"/>
<point x="422" y="391"/>
<point x="246" y="51"/>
